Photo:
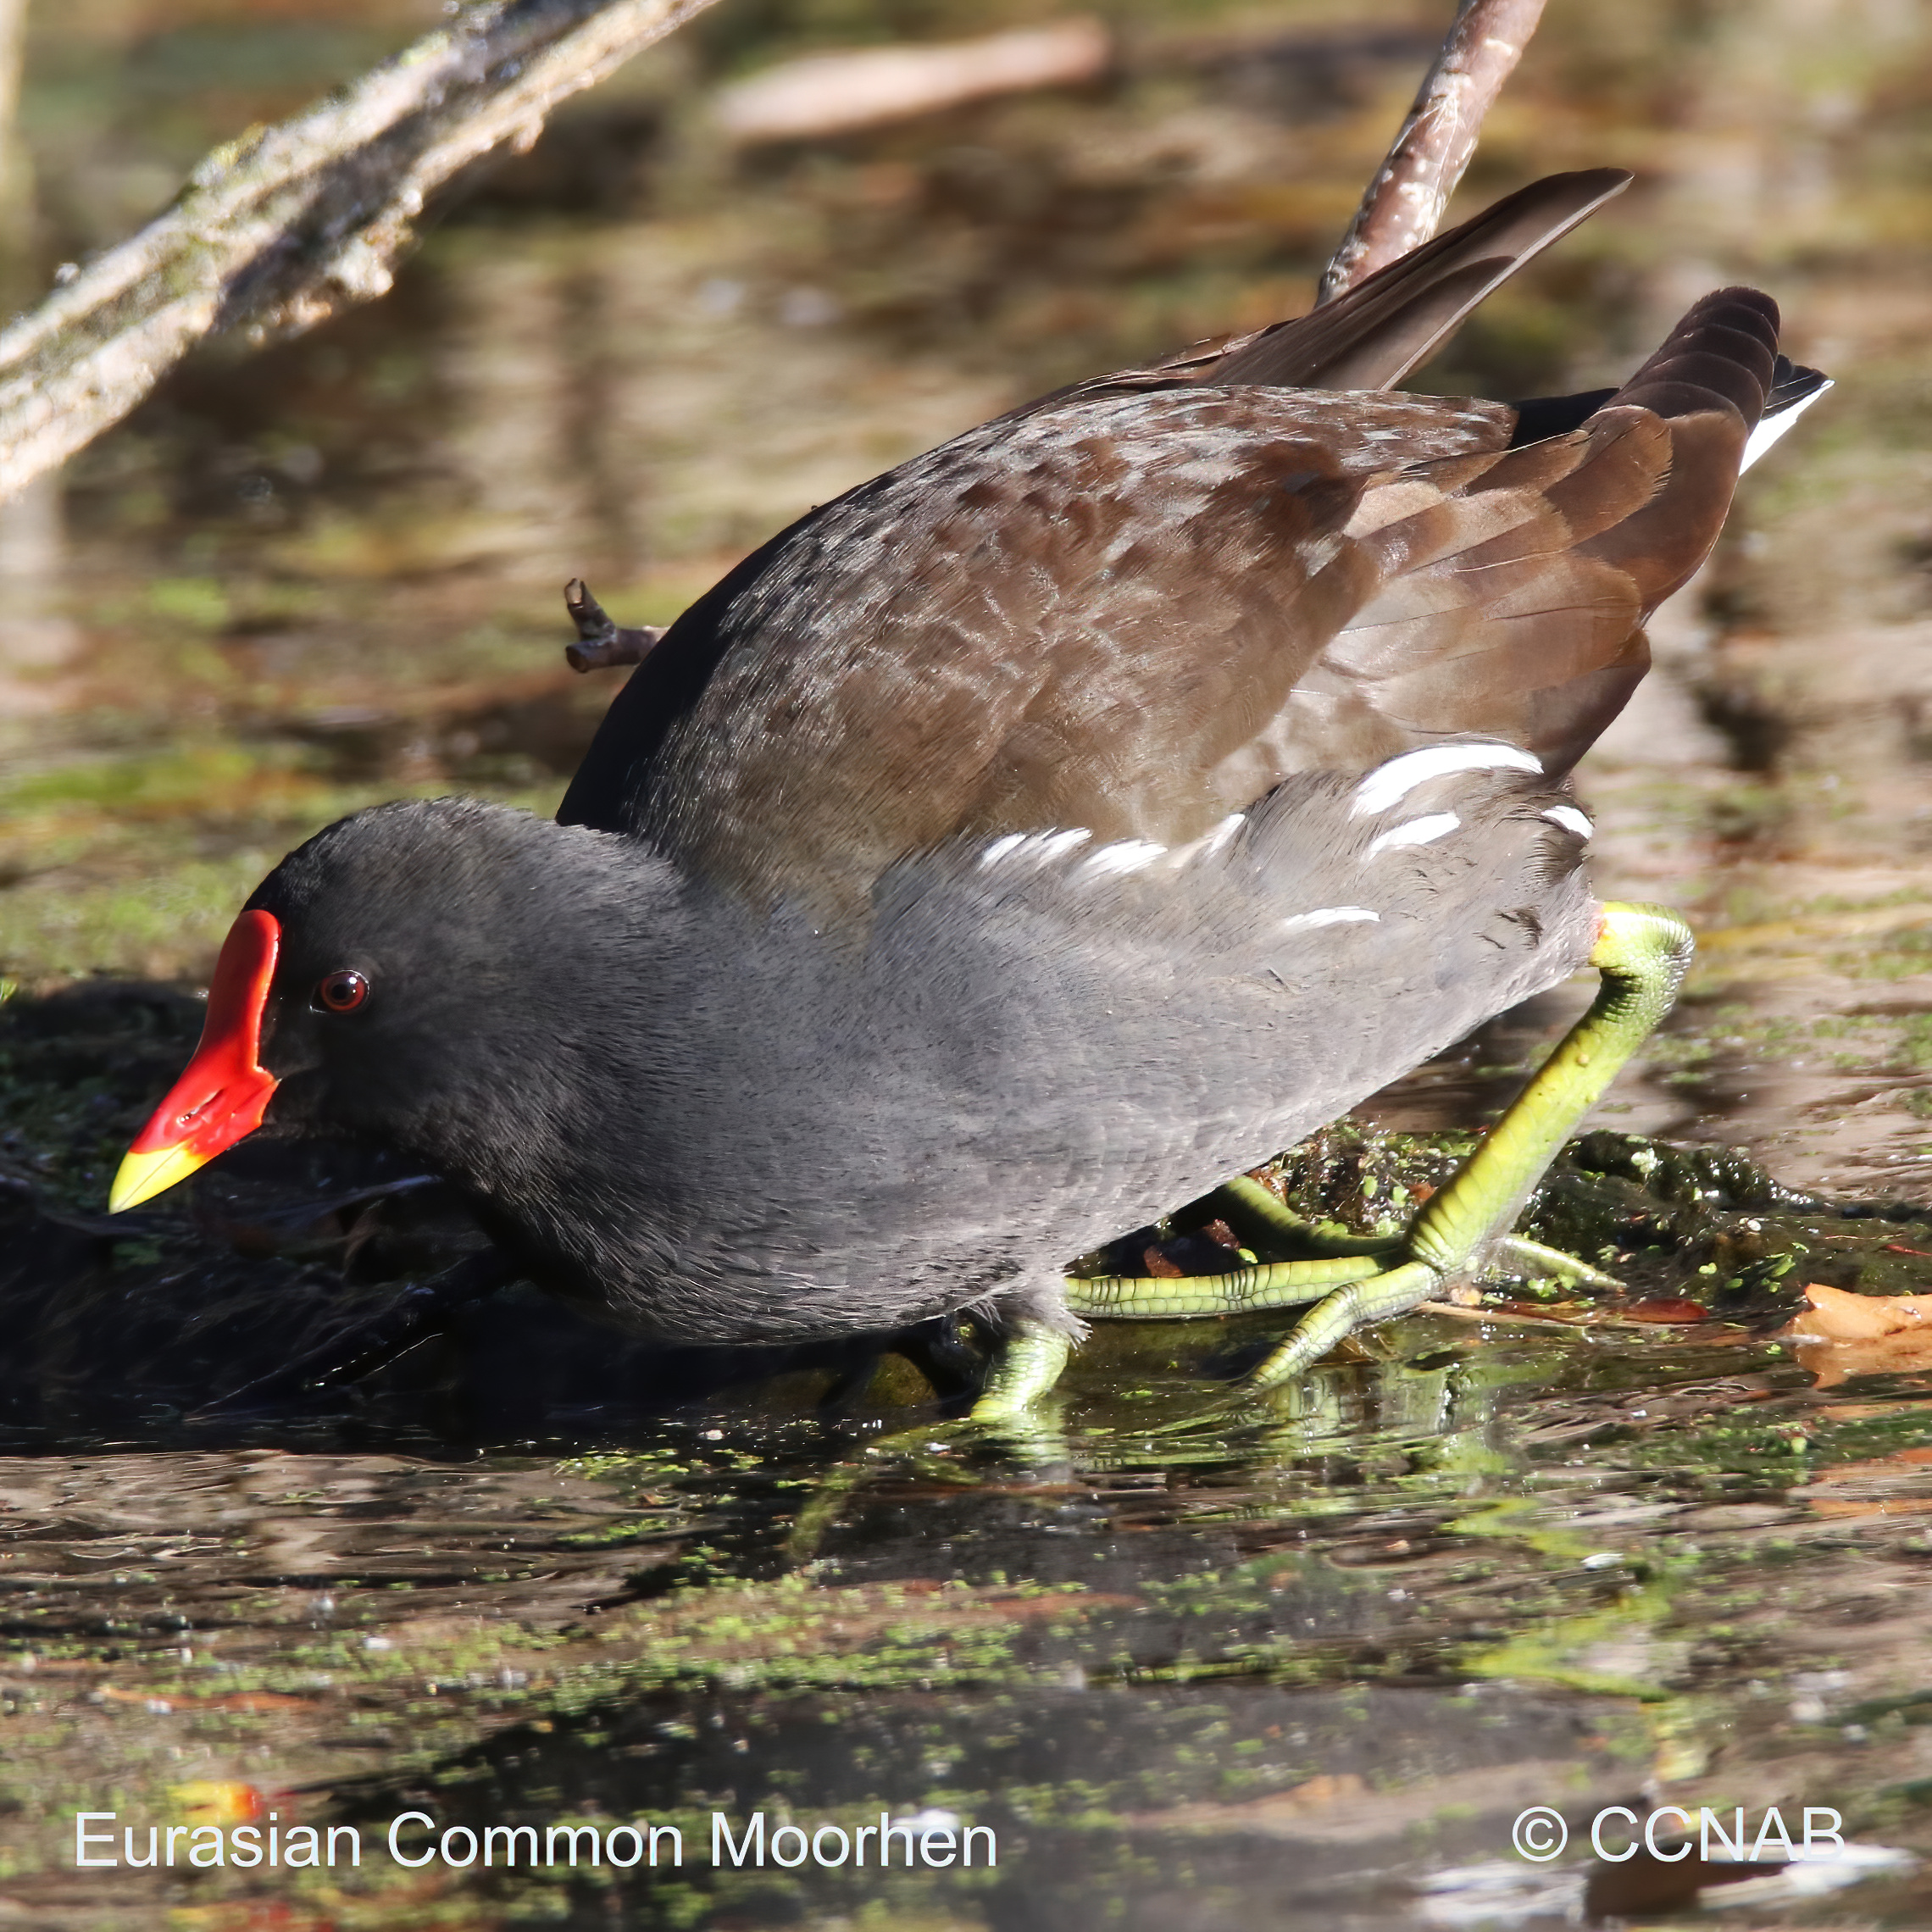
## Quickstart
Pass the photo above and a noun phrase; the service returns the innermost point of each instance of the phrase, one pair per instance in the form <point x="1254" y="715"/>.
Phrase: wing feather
<point x="1135" y="610"/>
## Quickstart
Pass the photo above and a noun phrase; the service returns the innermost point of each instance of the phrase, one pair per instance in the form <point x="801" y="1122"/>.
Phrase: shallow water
<point x="1308" y="1666"/>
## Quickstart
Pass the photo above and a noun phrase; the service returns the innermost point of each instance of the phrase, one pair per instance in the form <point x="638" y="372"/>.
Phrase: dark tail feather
<point x="1710" y="382"/>
<point x="1725" y="351"/>
<point x="1792" y="387"/>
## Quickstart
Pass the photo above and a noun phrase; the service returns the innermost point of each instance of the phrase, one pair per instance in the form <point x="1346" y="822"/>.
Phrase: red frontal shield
<point x="224" y="1089"/>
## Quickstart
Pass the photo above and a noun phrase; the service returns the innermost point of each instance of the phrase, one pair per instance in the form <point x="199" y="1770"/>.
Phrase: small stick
<point x="1502" y="1318"/>
<point x="1403" y="205"/>
<point x="1499" y="1316"/>
<point x="600" y="642"/>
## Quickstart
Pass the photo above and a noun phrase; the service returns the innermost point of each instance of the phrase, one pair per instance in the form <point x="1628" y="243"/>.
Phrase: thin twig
<point x="1404" y="202"/>
<point x="1598" y="1319"/>
<point x="601" y="642"/>
<point x="279" y="229"/>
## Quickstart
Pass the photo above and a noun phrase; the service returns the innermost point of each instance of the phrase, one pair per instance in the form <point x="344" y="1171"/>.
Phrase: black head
<point x="416" y="975"/>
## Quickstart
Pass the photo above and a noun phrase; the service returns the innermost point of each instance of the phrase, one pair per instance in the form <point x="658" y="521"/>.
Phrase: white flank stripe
<point x="1570" y="819"/>
<point x="1214" y="839"/>
<point x="1058" y="845"/>
<point x="1772" y="427"/>
<point x="1417" y="831"/>
<point x="1222" y="834"/>
<point x="1130" y="855"/>
<point x="1330" y="915"/>
<point x="1000" y="848"/>
<point x="1388" y="784"/>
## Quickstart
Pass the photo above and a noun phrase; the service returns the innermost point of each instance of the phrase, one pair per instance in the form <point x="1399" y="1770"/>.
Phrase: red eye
<point x="342" y="992"/>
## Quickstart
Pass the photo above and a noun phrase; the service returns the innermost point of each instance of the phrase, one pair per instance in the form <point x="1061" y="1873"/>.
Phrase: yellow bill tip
<point x="140" y="1177"/>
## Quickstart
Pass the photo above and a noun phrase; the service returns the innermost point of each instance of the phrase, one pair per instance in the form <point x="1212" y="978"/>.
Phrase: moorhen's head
<point x="402" y="977"/>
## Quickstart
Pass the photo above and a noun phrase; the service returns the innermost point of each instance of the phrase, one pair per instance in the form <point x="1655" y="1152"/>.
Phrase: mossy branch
<point x="1403" y="205"/>
<point x="279" y="229"/>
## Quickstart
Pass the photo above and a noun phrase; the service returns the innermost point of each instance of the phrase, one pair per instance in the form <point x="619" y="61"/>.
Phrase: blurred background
<point x="300" y="580"/>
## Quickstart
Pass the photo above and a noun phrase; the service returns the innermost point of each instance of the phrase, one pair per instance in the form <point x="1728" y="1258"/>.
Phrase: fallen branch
<point x="1403" y="205"/>
<point x="279" y="229"/>
<point x="833" y="94"/>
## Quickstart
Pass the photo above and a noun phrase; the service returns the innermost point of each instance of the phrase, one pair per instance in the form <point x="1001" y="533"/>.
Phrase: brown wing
<point x="1135" y="613"/>
<point x="1370" y="337"/>
<point x="1512" y="590"/>
<point x="1071" y="618"/>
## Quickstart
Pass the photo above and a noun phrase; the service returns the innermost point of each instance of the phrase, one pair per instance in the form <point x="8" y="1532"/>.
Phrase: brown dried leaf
<point x="1841" y="1335"/>
<point x="1663" y="1309"/>
<point x="1835" y="1315"/>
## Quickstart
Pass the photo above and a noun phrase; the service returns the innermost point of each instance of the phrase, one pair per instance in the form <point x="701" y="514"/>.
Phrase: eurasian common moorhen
<point x="1033" y="838"/>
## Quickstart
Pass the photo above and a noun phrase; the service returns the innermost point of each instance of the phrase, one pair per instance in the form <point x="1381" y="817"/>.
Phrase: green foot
<point x="1246" y="1197"/>
<point x="1252" y="1202"/>
<point x="1533" y="1258"/>
<point x="1641" y="953"/>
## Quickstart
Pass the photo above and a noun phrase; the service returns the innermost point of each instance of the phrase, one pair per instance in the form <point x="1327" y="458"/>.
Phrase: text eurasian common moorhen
<point x="1033" y="838"/>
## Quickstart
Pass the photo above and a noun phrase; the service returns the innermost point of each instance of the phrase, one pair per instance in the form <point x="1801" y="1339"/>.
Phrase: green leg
<point x="1026" y="1367"/>
<point x="1641" y="952"/>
